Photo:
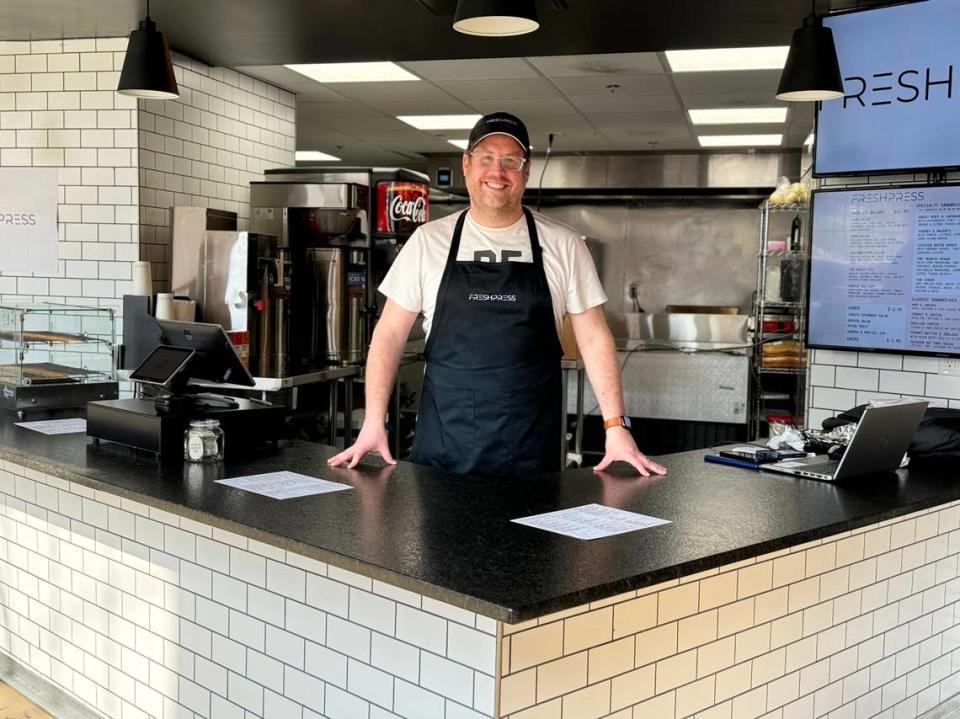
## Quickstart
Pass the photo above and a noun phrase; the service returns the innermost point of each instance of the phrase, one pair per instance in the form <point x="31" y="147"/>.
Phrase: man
<point x="493" y="284"/>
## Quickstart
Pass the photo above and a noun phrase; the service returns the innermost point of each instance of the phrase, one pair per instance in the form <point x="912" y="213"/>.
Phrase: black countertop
<point x="449" y="536"/>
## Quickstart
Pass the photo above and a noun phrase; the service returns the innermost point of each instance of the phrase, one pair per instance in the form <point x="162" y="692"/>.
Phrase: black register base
<point x="138" y="423"/>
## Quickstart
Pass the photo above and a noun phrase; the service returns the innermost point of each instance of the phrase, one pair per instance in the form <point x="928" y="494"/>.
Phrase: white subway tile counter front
<point x="145" y="591"/>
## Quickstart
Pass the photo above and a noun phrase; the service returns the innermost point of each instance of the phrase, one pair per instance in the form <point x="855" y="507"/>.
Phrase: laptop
<point x="877" y="445"/>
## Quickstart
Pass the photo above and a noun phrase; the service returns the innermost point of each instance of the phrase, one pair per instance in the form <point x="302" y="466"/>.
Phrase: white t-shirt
<point x="414" y="278"/>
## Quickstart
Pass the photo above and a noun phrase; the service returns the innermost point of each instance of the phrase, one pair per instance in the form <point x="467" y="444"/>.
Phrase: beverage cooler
<point x="311" y="294"/>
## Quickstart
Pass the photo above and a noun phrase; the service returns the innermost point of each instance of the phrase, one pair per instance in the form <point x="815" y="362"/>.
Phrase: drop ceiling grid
<point x="566" y="95"/>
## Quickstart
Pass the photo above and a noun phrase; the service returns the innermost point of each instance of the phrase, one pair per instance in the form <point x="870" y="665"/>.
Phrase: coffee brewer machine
<point x="221" y="269"/>
<point x="338" y="231"/>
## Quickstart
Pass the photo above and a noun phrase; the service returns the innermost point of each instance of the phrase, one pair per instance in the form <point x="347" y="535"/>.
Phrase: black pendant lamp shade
<point x="147" y="68"/>
<point x="812" y="71"/>
<point x="496" y="18"/>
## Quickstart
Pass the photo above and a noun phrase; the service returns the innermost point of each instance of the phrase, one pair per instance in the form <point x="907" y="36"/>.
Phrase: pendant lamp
<point x="812" y="71"/>
<point x="147" y="69"/>
<point x="496" y="18"/>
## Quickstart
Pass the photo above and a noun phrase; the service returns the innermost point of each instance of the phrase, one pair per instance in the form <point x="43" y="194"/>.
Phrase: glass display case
<point x="56" y="356"/>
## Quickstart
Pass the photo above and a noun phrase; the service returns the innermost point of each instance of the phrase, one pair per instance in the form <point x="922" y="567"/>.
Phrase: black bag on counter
<point x="937" y="437"/>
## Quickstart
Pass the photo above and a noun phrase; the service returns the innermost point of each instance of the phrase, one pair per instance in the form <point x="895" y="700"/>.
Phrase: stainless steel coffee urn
<point x="356" y="308"/>
<point x="342" y="228"/>
<point x="326" y="321"/>
<point x="336" y="306"/>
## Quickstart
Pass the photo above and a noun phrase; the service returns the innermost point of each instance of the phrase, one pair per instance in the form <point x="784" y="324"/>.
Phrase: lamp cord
<point x="546" y="161"/>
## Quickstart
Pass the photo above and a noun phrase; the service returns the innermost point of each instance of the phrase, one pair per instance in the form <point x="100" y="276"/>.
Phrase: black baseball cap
<point x="500" y="123"/>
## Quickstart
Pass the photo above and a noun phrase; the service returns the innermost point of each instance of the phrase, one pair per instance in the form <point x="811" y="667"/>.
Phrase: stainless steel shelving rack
<point x="780" y="390"/>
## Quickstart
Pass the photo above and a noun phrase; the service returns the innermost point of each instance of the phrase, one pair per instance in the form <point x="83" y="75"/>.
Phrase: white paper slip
<point x="283" y="485"/>
<point x="591" y="521"/>
<point x="56" y="426"/>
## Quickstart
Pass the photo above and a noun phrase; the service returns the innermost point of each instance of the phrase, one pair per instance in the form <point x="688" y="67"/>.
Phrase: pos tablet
<point x="162" y="365"/>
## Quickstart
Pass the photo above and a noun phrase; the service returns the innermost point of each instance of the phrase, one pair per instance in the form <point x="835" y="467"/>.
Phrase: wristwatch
<point x="619" y="421"/>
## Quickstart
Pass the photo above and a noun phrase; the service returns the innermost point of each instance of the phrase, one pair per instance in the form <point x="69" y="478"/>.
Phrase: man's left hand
<point x="620" y="447"/>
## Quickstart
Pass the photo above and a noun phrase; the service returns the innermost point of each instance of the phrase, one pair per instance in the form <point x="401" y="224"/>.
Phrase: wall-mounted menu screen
<point x="885" y="270"/>
<point x="901" y="81"/>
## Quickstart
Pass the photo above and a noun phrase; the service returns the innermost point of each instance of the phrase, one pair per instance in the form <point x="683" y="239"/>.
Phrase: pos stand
<point x="157" y="425"/>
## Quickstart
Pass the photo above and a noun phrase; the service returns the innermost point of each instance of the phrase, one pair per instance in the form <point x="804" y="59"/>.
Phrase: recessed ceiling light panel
<point x="740" y="140"/>
<point x="738" y="116"/>
<point x="314" y="156"/>
<point x="440" y="122"/>
<point x="354" y="72"/>
<point x="728" y="58"/>
<point x="462" y="144"/>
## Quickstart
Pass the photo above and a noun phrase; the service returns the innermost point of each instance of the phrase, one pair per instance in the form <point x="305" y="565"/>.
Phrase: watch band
<point x="618" y="421"/>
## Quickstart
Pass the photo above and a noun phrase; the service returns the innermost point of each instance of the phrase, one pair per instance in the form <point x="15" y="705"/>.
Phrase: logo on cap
<point x="500" y="123"/>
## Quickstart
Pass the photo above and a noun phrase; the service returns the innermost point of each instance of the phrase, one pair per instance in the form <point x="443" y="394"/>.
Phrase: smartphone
<point x="790" y="454"/>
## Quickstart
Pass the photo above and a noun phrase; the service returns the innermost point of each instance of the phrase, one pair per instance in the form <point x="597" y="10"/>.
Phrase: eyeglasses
<point x="507" y="162"/>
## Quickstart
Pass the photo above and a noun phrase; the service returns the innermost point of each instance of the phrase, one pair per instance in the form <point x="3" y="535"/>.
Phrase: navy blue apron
<point x="491" y="399"/>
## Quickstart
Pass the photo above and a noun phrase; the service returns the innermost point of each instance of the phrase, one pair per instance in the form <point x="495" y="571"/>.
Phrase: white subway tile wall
<point x="58" y="109"/>
<point x="121" y="168"/>
<point x="839" y="380"/>
<point x="205" y="148"/>
<point x="862" y="624"/>
<point x="141" y="613"/>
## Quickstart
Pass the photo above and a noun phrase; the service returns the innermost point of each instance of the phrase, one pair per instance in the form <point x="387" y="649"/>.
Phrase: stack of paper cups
<point x="184" y="310"/>
<point x="164" y="309"/>
<point x="142" y="281"/>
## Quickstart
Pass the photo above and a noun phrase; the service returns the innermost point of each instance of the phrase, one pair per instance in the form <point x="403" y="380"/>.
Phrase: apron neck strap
<point x="531" y="231"/>
<point x="455" y="243"/>
<point x="534" y="238"/>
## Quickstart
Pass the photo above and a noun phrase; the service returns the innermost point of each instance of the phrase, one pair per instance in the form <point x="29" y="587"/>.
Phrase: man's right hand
<point x="372" y="438"/>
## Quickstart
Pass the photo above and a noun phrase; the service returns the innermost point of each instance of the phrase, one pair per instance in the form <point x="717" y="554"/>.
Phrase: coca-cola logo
<point x="402" y="206"/>
<point x="413" y="210"/>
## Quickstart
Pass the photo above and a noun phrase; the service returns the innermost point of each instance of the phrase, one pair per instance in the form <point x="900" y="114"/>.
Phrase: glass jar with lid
<point x="203" y="441"/>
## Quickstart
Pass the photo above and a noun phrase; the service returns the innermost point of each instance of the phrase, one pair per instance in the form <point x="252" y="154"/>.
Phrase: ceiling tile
<point x="655" y="142"/>
<point x="630" y="63"/>
<point x="731" y="99"/>
<point x="307" y="111"/>
<point x="506" y="68"/>
<point x="524" y="109"/>
<point x="382" y="91"/>
<point x="315" y="138"/>
<point x="304" y="87"/>
<point x="407" y="144"/>
<point x="357" y="120"/>
<point x="624" y="103"/>
<point x="581" y="141"/>
<point x="551" y="121"/>
<point x="276" y="74"/>
<point x="627" y="85"/>
<point x="667" y="120"/>
<point x="759" y="81"/>
<point x="359" y="125"/>
<point x="500" y="89"/>
<point x="422" y="107"/>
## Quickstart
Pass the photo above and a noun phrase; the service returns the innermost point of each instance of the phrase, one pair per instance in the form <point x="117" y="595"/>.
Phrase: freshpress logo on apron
<point x="482" y="297"/>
